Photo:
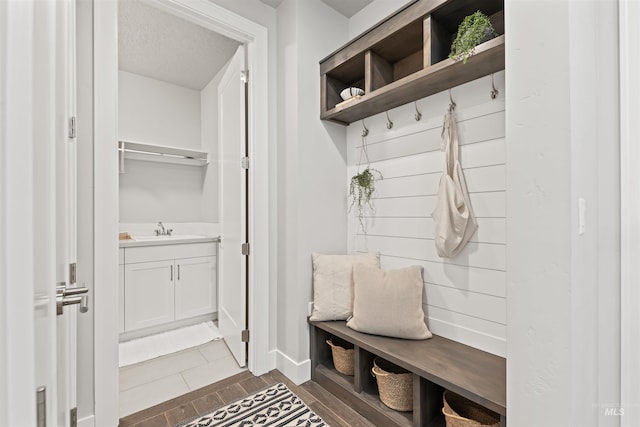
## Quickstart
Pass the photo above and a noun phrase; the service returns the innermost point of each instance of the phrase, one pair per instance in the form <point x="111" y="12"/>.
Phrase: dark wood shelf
<point x="405" y="58"/>
<point x="437" y="364"/>
<point x="366" y="403"/>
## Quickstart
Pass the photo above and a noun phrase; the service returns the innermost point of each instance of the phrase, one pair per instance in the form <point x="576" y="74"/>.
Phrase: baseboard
<point x="298" y="372"/>
<point x="89" y="421"/>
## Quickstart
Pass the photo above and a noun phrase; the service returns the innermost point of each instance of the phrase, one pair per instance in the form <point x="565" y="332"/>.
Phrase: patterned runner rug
<point x="275" y="406"/>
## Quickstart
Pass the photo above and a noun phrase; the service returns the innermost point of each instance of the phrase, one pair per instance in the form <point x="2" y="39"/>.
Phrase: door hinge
<point x="41" y="407"/>
<point x="244" y="76"/>
<point x="245" y="335"/>
<point x="72" y="273"/>
<point x="245" y="248"/>
<point x="73" y="417"/>
<point x="245" y="162"/>
<point x="72" y="127"/>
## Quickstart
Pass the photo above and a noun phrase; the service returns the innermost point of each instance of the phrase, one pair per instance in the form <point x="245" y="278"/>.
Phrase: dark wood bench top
<point x="467" y="371"/>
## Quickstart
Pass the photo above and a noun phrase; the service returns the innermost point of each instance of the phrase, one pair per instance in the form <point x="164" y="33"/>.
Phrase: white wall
<point x="152" y="192"/>
<point x="373" y="13"/>
<point x="161" y="113"/>
<point x="630" y="207"/>
<point x="157" y="112"/>
<point x="563" y="288"/>
<point x="312" y="167"/>
<point x="465" y="297"/>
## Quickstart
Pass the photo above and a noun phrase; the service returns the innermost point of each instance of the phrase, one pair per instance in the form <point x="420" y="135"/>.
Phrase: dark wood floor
<point x="332" y="410"/>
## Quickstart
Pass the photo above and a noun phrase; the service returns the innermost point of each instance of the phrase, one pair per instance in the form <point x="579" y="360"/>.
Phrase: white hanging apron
<point x="453" y="215"/>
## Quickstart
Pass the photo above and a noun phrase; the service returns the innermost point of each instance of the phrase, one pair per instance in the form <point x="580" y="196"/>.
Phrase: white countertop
<point x="167" y="240"/>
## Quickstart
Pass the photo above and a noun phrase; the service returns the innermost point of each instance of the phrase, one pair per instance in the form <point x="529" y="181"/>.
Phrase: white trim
<point x="630" y="212"/>
<point x="298" y="372"/>
<point x="105" y="174"/>
<point x="220" y="20"/>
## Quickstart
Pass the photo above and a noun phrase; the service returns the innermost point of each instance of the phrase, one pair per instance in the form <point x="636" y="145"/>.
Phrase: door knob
<point x="68" y="296"/>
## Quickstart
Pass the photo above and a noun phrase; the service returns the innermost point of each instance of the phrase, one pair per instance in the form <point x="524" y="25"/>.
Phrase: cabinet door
<point x="148" y="294"/>
<point x="195" y="286"/>
<point x="120" y="298"/>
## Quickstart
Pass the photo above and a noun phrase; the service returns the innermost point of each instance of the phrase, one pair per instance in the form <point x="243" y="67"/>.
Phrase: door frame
<point x="254" y="36"/>
<point x="630" y="214"/>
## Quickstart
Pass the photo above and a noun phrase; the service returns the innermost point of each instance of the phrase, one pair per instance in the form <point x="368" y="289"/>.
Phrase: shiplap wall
<point x="465" y="297"/>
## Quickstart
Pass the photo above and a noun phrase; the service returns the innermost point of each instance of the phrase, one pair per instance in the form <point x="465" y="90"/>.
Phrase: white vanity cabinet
<point x="194" y="294"/>
<point x="167" y="283"/>
<point x="148" y="294"/>
<point x="121" y="290"/>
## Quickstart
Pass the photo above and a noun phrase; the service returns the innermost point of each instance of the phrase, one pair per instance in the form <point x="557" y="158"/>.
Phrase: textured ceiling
<point x="346" y="7"/>
<point x="156" y="44"/>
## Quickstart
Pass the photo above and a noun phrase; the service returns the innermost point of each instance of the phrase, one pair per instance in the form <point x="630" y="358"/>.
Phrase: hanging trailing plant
<point x="474" y="29"/>
<point x="361" y="188"/>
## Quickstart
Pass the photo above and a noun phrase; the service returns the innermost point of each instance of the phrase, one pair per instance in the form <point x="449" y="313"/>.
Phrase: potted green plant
<point x="474" y="30"/>
<point x="361" y="188"/>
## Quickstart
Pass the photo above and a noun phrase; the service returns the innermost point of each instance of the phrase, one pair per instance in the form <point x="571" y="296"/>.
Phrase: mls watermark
<point x="613" y="412"/>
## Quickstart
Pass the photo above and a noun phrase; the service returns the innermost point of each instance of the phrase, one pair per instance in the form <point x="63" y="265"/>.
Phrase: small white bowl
<point x="350" y="92"/>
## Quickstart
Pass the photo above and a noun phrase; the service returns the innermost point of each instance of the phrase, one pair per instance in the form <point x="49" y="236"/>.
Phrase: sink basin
<point x="160" y="238"/>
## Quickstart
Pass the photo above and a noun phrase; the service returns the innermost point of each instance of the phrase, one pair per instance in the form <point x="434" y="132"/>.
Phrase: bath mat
<point x="152" y="346"/>
<point x="275" y="406"/>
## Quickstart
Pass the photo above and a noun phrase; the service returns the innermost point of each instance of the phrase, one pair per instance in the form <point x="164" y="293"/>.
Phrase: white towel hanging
<point x="453" y="214"/>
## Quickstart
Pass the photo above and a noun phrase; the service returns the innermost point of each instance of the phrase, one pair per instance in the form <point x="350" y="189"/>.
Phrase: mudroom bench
<point x="437" y="364"/>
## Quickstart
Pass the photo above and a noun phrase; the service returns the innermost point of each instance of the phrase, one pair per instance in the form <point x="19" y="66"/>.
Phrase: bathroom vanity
<point x="166" y="282"/>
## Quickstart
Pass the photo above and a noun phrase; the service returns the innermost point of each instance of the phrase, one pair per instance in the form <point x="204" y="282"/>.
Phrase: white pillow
<point x="333" y="284"/>
<point x="389" y="303"/>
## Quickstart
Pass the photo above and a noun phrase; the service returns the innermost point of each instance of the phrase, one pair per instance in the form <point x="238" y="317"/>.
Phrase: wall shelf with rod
<point x="160" y="153"/>
<point x="406" y="57"/>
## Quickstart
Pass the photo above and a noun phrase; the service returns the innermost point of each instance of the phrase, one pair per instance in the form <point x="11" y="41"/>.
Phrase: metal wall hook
<point x="365" y="131"/>
<point x="452" y="104"/>
<point x="389" y="122"/>
<point x="418" y="114"/>
<point x="494" y="91"/>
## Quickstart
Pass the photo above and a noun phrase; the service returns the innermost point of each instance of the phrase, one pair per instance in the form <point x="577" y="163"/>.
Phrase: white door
<point x="195" y="286"/>
<point x="36" y="202"/>
<point x="232" y="290"/>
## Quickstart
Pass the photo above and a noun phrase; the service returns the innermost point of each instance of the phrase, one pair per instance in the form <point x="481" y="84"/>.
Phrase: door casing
<point x="105" y="177"/>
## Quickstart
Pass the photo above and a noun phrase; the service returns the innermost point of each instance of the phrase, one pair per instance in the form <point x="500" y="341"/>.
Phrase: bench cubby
<point x="436" y="364"/>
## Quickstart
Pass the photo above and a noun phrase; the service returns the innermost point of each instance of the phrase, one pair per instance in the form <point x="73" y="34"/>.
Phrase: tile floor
<point x="148" y="383"/>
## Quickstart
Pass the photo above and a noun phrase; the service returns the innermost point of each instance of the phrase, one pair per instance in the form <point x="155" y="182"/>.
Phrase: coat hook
<point x="494" y="91"/>
<point x="389" y="122"/>
<point x="418" y="114"/>
<point x="452" y="105"/>
<point x="365" y="131"/>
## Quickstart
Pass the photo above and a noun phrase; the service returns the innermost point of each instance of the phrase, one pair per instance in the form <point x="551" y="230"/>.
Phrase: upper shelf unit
<point x="406" y="57"/>
<point x="160" y="153"/>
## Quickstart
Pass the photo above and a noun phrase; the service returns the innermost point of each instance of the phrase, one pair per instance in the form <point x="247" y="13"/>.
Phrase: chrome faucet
<point x="161" y="231"/>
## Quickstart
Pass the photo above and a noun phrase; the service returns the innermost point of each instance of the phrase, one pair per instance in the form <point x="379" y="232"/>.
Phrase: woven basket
<point x="461" y="412"/>
<point x="395" y="385"/>
<point x="342" y="358"/>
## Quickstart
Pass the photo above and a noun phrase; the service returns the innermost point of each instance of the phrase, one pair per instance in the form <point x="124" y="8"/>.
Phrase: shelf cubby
<point x="406" y="57"/>
<point x="436" y="364"/>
